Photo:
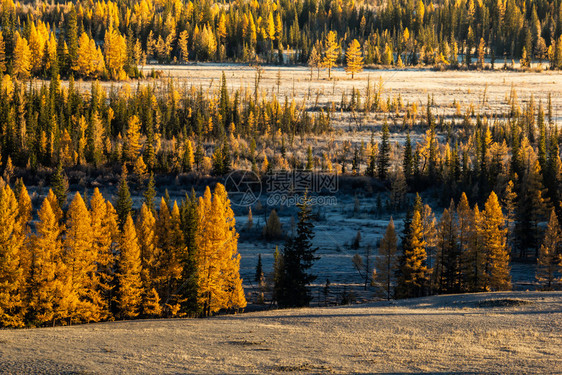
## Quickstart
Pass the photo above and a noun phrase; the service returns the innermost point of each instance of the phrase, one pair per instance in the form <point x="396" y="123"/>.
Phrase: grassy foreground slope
<point x="512" y="332"/>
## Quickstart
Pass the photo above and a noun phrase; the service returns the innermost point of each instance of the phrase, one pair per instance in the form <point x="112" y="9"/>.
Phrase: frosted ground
<point x="483" y="333"/>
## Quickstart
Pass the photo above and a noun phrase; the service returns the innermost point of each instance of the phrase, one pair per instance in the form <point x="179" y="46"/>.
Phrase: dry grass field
<point x="484" y="89"/>
<point x="492" y="333"/>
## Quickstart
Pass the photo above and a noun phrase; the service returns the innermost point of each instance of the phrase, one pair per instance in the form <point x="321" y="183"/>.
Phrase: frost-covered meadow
<point x="492" y="333"/>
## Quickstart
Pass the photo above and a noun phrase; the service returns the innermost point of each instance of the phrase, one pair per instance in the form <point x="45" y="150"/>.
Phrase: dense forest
<point x="498" y="176"/>
<point x="92" y="262"/>
<point x="187" y="130"/>
<point x="111" y="39"/>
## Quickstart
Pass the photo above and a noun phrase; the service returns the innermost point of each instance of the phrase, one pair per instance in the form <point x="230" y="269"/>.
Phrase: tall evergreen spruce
<point x="124" y="203"/>
<point x="150" y="193"/>
<point x="298" y="258"/>
<point x="59" y="185"/>
<point x="384" y="153"/>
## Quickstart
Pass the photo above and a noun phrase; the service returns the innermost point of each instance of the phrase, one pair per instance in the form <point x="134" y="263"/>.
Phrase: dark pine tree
<point x="59" y="184"/>
<point x="150" y="193"/>
<point x="298" y="258"/>
<point x="124" y="203"/>
<point x="384" y="153"/>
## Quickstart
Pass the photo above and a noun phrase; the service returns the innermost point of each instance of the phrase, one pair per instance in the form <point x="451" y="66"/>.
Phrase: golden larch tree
<point x="129" y="297"/>
<point x="168" y="230"/>
<point x="331" y="52"/>
<point x="354" y="58"/>
<point x="12" y="282"/>
<point x="236" y="298"/>
<point x="103" y="224"/>
<point x="413" y="271"/>
<point x="2" y="54"/>
<point x="132" y="144"/>
<point x="183" y="45"/>
<point x="150" y="254"/>
<point x="80" y="258"/>
<point x="52" y="198"/>
<point x="50" y="291"/>
<point x="496" y="274"/>
<point x="89" y="62"/>
<point x="211" y="296"/>
<point x="115" y="51"/>
<point x="23" y="220"/>
<point x="22" y="57"/>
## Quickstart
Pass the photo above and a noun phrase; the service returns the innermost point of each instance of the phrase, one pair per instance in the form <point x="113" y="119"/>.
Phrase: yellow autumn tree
<point x="233" y="283"/>
<point x="169" y="241"/>
<point x="218" y="260"/>
<point x="183" y="45"/>
<point x="23" y="220"/>
<point x="50" y="291"/>
<point x="103" y="224"/>
<point x="496" y="274"/>
<point x="38" y="36"/>
<point x="52" y="198"/>
<point x="132" y="144"/>
<point x="22" y="57"/>
<point x="80" y="258"/>
<point x="115" y="51"/>
<point x="150" y="254"/>
<point x="413" y="273"/>
<point x="89" y="62"/>
<point x="2" y="54"/>
<point x="129" y="296"/>
<point x="388" y="55"/>
<point x="12" y="282"/>
<point x="331" y="52"/>
<point x="50" y="56"/>
<point x="188" y="156"/>
<point x="354" y="58"/>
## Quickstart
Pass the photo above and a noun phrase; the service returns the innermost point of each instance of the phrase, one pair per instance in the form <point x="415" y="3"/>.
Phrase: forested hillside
<point x="110" y="39"/>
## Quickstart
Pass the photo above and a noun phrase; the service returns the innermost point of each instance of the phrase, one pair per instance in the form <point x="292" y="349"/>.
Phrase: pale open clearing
<point x="507" y="333"/>
<point x="485" y="90"/>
